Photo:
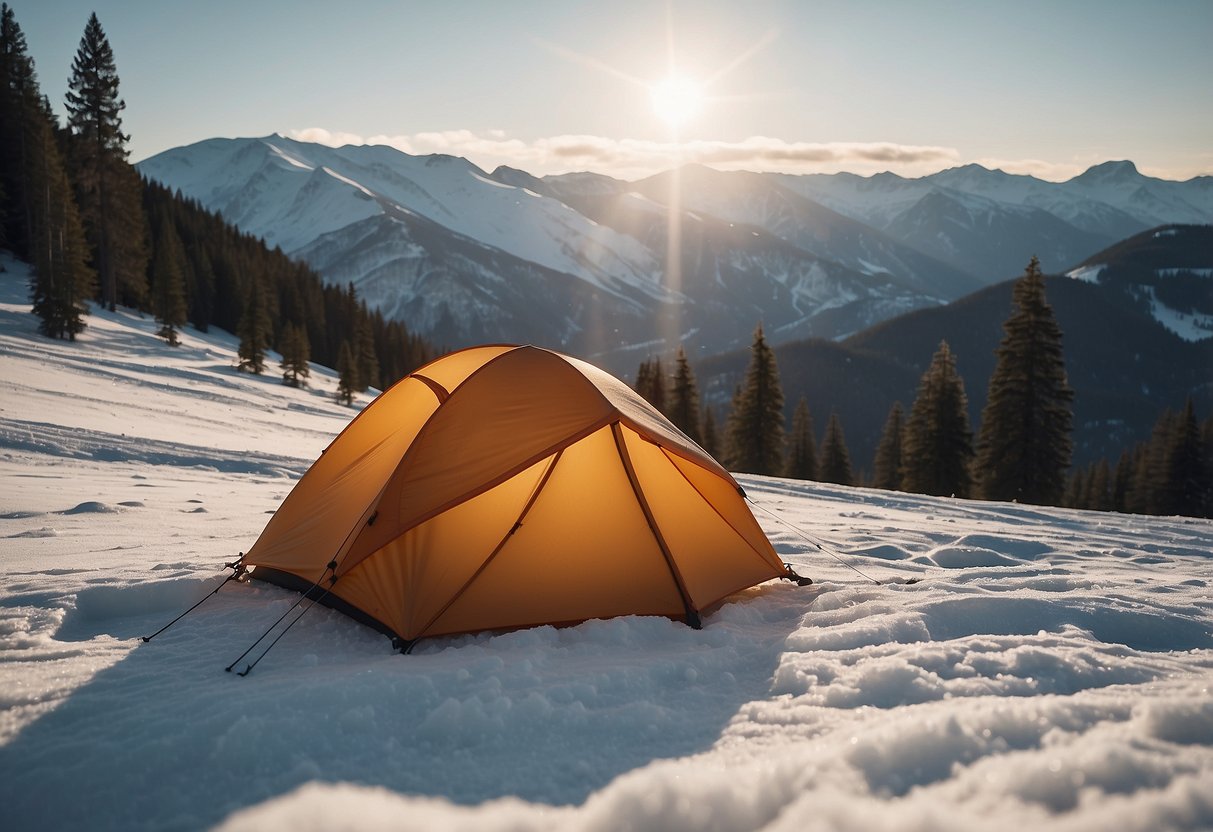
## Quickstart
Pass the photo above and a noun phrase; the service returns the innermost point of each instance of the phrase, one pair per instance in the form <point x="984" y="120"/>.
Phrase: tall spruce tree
<point x="254" y="329"/>
<point x="835" y="465"/>
<point x="684" y="399"/>
<point x="365" y="356"/>
<point x="18" y="98"/>
<point x="107" y="187"/>
<point x="38" y="210"/>
<point x="347" y="374"/>
<point x="62" y="281"/>
<point x="168" y="282"/>
<point x="754" y="443"/>
<point x="1184" y="484"/>
<point x="709" y="434"/>
<point x="938" y="448"/>
<point x="1025" y="442"/>
<point x="801" y="460"/>
<point x="294" y="349"/>
<point x="888" y="460"/>
<point x="651" y="383"/>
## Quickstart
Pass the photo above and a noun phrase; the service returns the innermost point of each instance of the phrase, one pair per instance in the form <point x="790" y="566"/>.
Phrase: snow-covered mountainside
<point x="466" y="257"/>
<point x="583" y="262"/>
<point x="971" y="210"/>
<point x="1051" y="669"/>
<point x="1167" y="271"/>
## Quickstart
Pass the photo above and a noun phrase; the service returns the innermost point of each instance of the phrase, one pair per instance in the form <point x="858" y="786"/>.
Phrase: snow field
<point x="1051" y="668"/>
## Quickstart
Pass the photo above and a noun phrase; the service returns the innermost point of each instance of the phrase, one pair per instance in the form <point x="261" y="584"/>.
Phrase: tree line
<point x="95" y="230"/>
<point x="1022" y="451"/>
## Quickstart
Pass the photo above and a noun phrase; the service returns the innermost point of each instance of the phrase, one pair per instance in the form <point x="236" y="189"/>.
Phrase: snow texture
<point x="1051" y="670"/>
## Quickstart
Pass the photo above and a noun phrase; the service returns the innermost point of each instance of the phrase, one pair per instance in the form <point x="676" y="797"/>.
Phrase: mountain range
<point x="616" y="271"/>
<point x="1137" y="323"/>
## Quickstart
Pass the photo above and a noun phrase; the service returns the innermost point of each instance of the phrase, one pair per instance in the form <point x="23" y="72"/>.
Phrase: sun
<point x="676" y="99"/>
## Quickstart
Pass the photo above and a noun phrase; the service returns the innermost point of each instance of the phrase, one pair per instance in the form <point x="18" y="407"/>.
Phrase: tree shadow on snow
<point x="165" y="739"/>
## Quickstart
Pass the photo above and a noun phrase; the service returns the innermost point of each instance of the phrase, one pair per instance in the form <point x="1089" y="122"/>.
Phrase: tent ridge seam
<point x="692" y="614"/>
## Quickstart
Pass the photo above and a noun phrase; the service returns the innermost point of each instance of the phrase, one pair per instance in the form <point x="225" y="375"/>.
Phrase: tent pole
<point x="692" y="615"/>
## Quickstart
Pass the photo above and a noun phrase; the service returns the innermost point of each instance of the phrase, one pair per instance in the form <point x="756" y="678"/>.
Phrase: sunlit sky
<point x="1047" y="87"/>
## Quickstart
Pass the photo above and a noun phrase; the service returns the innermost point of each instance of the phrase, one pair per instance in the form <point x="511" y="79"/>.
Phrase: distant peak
<point x="1110" y="170"/>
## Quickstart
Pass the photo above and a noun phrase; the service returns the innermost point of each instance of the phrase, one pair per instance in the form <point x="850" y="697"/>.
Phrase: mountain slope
<point x="1054" y="664"/>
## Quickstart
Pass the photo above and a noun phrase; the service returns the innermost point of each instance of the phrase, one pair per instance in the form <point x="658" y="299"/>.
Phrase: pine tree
<point x="1025" y="443"/>
<point x="755" y="425"/>
<point x="18" y="99"/>
<point x="1121" y="480"/>
<point x="651" y="383"/>
<point x="347" y="374"/>
<point x="62" y="281"/>
<point x="801" y="460"/>
<point x="1184" y="484"/>
<point x="938" y="447"/>
<point x="254" y="329"/>
<point x="107" y="187"/>
<point x="889" y="451"/>
<point x="1099" y="488"/>
<point x="168" y="286"/>
<point x="684" y="399"/>
<point x="365" y="357"/>
<point x="40" y="218"/>
<point x="294" y="363"/>
<point x="1148" y="487"/>
<point x="835" y="464"/>
<point x="709" y="434"/>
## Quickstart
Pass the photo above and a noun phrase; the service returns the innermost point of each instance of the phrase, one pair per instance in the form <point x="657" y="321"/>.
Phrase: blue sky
<point x="1041" y="87"/>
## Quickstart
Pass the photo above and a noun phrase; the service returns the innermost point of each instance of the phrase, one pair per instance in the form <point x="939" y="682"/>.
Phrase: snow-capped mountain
<point x="988" y="221"/>
<point x="617" y="270"/>
<point x="466" y="257"/>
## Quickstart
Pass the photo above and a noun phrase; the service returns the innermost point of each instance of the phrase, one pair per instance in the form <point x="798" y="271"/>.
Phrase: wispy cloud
<point x="631" y="158"/>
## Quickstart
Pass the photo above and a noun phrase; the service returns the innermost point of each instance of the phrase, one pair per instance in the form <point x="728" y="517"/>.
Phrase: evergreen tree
<point x="366" y="358"/>
<point x="801" y="460"/>
<point x="1099" y="488"/>
<point x="254" y="329"/>
<point x="1025" y="443"/>
<point x="168" y="282"/>
<point x="39" y="214"/>
<point x="18" y="99"/>
<point x="1148" y="487"/>
<point x="938" y="445"/>
<point x="755" y="425"/>
<point x="1184" y="483"/>
<point x="651" y="383"/>
<point x="294" y="363"/>
<point x="835" y="464"/>
<point x="709" y="434"/>
<point x="347" y="374"/>
<point x="107" y="187"/>
<point x="889" y="450"/>
<point x="62" y="281"/>
<point x="684" y="399"/>
<point x="1121" y="480"/>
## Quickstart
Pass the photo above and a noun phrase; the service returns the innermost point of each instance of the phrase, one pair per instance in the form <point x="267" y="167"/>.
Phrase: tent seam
<point x="692" y="613"/>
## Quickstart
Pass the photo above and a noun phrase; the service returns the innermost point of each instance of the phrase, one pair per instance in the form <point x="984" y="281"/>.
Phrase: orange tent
<point x="506" y="486"/>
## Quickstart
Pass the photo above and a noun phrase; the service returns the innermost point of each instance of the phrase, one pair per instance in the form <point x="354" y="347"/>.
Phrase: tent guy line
<point x="822" y="548"/>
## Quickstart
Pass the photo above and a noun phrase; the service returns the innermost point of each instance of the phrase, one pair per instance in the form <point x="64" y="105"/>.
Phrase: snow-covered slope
<point x="1052" y="669"/>
<point x="1166" y="271"/>
<point x="292" y="192"/>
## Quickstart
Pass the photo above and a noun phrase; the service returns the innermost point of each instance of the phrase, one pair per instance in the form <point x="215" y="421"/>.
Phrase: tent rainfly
<point x="502" y="487"/>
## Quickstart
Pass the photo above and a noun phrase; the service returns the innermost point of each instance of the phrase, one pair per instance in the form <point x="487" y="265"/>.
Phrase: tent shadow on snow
<point x="165" y="739"/>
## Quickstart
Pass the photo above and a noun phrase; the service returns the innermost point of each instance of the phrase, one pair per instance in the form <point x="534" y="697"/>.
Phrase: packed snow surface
<point x="1051" y="669"/>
